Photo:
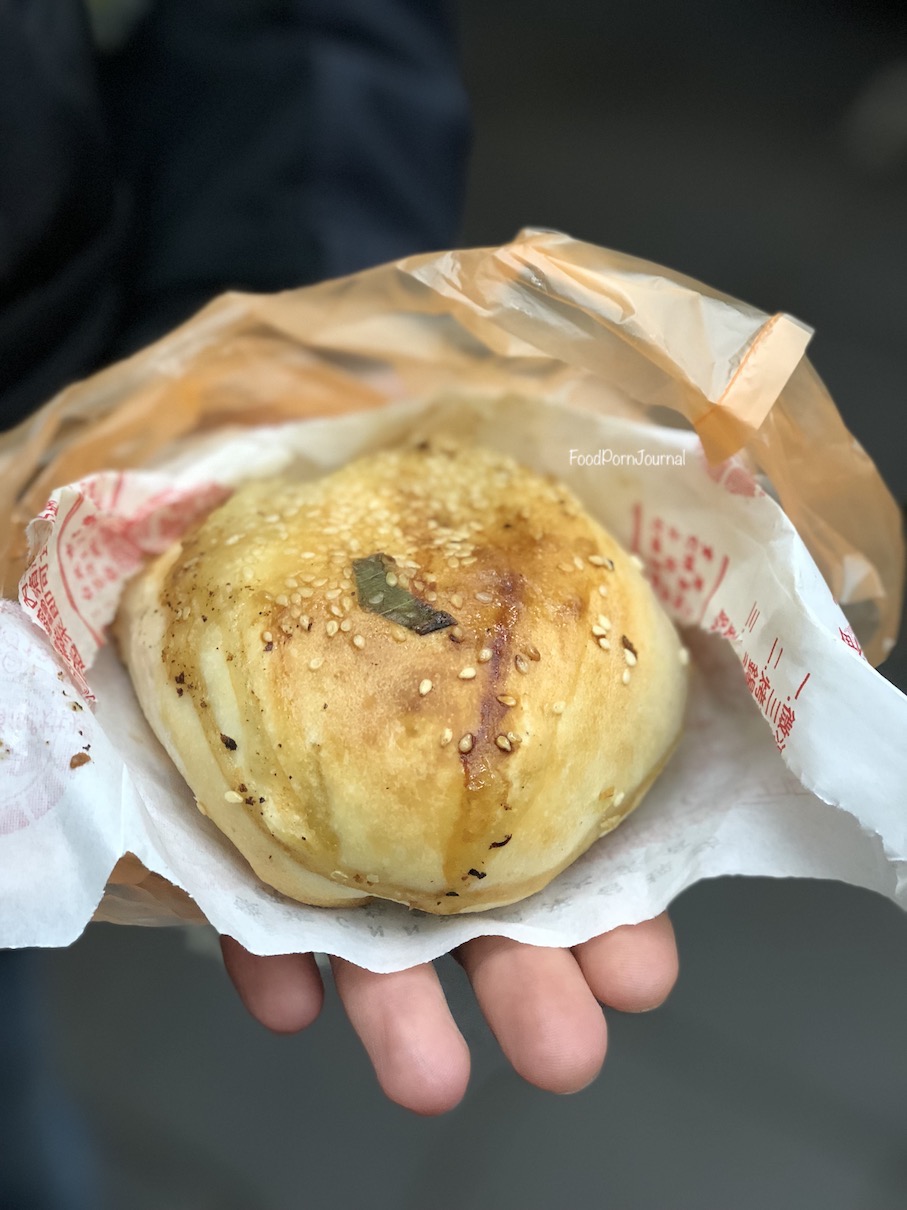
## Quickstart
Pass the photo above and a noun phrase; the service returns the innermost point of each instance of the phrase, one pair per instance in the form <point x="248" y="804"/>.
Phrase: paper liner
<point x="791" y="761"/>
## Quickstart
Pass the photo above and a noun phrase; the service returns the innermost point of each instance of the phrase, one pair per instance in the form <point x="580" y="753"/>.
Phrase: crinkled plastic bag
<point x="545" y="317"/>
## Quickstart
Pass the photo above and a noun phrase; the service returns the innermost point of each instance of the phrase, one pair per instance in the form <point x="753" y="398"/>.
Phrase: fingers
<point x="284" y="992"/>
<point x="419" y="1055"/>
<point x="541" y="1004"/>
<point x="540" y="1009"/>
<point x="632" y="968"/>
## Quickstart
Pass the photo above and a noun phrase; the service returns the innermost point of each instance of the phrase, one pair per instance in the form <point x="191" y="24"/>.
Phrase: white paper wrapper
<point x="791" y="764"/>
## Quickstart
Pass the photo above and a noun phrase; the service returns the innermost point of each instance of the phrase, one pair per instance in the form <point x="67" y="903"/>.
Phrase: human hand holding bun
<point x="429" y="677"/>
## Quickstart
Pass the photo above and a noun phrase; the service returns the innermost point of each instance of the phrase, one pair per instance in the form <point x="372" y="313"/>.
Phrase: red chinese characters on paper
<point x="768" y="686"/>
<point x="751" y="672"/>
<point x="683" y="568"/>
<point x="850" y="640"/>
<point x="721" y="624"/>
<point x="734" y="477"/>
<point x="94" y="540"/>
<point x="164" y="517"/>
<point x="39" y="600"/>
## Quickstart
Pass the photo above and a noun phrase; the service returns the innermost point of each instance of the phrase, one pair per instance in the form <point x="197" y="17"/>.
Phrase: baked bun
<point x="429" y="677"/>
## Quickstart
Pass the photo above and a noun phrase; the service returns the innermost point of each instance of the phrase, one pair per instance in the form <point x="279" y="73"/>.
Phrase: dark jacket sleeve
<point x="63" y="216"/>
<point x="272" y="143"/>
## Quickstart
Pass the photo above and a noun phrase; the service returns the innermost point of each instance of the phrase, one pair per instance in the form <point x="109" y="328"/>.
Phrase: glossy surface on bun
<point x="348" y="756"/>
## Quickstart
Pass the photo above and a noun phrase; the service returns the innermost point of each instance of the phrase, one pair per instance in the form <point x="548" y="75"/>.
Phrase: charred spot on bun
<point x="429" y="677"/>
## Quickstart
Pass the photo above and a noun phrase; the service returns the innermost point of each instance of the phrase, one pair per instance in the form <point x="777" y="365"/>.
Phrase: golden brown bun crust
<point x="348" y="757"/>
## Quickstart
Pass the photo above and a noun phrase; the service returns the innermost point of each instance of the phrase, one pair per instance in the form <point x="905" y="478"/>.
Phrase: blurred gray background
<point x="761" y="148"/>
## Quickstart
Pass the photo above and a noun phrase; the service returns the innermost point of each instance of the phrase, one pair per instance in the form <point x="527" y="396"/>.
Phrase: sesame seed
<point x="503" y="743"/>
<point x="453" y="563"/>
<point x="446" y="737"/>
<point x="506" y="700"/>
<point x="232" y="540"/>
<point x="485" y="597"/>
<point x="332" y="594"/>
<point x="485" y="655"/>
<point x="425" y="687"/>
<point x="522" y="664"/>
<point x="629" y="657"/>
<point x="307" y="554"/>
<point x="456" y="633"/>
<point x="371" y="879"/>
<point x="391" y="580"/>
<point x="340" y="874"/>
<point x="282" y="599"/>
<point x="247" y="574"/>
<point x="267" y="637"/>
<point x="336" y="610"/>
<point x="467" y="674"/>
<point x="295" y="598"/>
<point x="456" y="600"/>
<point x="514" y="738"/>
<point x="232" y="796"/>
<point x="466" y="742"/>
<point x="598" y="631"/>
<point x="320" y="582"/>
<point x="604" y="622"/>
<point x="565" y="567"/>
<point x="305" y="621"/>
<point x="346" y="603"/>
<point x="684" y="656"/>
<point x="376" y="599"/>
<point x="271" y="518"/>
<point x="315" y="662"/>
<point x="306" y="592"/>
<point x="291" y="582"/>
<point x="346" y="625"/>
<point x="558" y="708"/>
<point x="605" y="644"/>
<point x="619" y="798"/>
<point x="626" y="676"/>
<point x="358" y="641"/>
<point x="602" y="591"/>
<point x="431" y="597"/>
<point x="597" y="560"/>
<point x="332" y="627"/>
<point x="637" y="562"/>
<point x="533" y="653"/>
<point x="578" y="563"/>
